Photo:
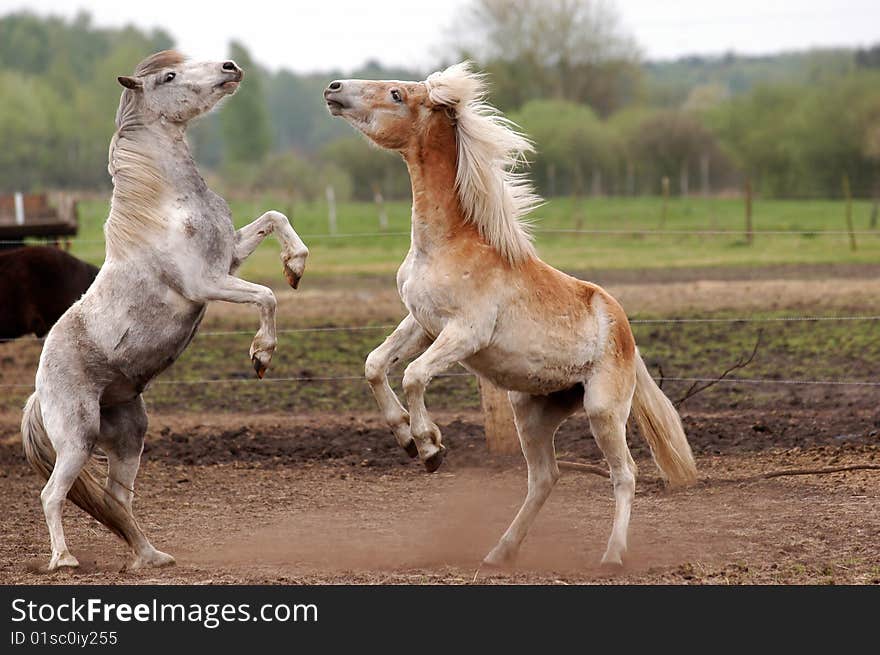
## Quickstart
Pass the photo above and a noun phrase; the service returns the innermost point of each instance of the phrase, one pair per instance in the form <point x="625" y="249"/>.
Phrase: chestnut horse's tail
<point x="87" y="492"/>
<point x="660" y="424"/>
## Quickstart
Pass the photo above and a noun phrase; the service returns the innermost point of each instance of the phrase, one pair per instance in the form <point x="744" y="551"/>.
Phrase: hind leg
<point x="120" y="484"/>
<point x="69" y="461"/>
<point x="610" y="434"/>
<point x="537" y="418"/>
<point x="71" y="424"/>
<point x="123" y="428"/>
<point x="608" y="412"/>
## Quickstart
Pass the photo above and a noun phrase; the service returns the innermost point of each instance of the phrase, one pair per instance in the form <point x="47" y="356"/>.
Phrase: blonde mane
<point x="494" y="195"/>
<point x="138" y="185"/>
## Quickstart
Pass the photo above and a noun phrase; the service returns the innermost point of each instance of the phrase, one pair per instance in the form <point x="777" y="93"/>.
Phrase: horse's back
<point x="585" y="304"/>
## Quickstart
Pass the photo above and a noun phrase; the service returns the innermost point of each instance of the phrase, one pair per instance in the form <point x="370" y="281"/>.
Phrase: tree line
<point x="604" y="121"/>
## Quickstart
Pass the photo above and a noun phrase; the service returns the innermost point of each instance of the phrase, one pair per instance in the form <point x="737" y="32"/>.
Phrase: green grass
<point x="794" y="350"/>
<point x="369" y="254"/>
<point x="826" y="350"/>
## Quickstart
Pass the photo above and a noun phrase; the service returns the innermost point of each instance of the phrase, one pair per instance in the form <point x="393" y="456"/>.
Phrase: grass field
<point x="365" y="252"/>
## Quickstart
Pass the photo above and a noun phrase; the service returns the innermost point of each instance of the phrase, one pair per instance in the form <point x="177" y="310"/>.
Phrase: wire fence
<point x="538" y="231"/>
<point x="362" y="379"/>
<point x="636" y="321"/>
<point x="633" y="321"/>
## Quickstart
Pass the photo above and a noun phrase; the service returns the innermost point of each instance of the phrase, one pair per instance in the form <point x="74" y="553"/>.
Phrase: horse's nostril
<point x="229" y="66"/>
<point x="335" y="86"/>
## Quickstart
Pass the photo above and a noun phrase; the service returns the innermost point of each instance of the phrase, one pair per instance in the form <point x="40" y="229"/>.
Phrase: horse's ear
<point x="130" y="82"/>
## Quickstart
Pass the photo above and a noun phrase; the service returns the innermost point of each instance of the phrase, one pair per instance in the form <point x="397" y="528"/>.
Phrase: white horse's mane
<point x="493" y="193"/>
<point x="138" y="185"/>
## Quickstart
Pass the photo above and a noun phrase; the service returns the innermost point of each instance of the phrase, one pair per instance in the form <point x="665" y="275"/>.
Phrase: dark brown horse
<point x="37" y="285"/>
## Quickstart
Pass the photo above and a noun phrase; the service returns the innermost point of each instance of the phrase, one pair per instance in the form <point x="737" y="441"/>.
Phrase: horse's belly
<point x="138" y="360"/>
<point x="152" y="347"/>
<point x="528" y="371"/>
<point x="144" y="333"/>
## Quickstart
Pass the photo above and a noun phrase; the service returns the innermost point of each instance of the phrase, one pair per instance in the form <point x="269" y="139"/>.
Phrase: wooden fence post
<point x="664" y="184"/>
<point x="704" y="175"/>
<point x="379" y="199"/>
<point x="847" y="194"/>
<point x="576" y="191"/>
<point x="596" y="188"/>
<point x="331" y="209"/>
<point x="501" y="436"/>
<point x="749" y="231"/>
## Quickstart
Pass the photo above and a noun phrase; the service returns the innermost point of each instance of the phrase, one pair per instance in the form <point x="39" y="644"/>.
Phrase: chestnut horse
<point x="171" y="249"/>
<point x="478" y="295"/>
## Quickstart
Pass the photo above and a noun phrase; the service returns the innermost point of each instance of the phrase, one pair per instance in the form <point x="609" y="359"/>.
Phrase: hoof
<point x="259" y="367"/>
<point x="499" y="559"/>
<point x="62" y="560"/>
<point x="292" y="278"/>
<point x="434" y="461"/>
<point x="157" y="559"/>
<point x="411" y="449"/>
<point x="611" y="564"/>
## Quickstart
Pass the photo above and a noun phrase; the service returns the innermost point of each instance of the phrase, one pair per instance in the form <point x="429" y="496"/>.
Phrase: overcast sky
<point x="324" y="34"/>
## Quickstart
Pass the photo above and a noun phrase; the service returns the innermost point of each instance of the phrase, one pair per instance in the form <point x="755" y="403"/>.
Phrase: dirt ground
<point x="316" y="497"/>
<point x="324" y="499"/>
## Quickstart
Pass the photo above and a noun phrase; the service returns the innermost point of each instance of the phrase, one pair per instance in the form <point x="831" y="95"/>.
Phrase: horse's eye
<point x="169" y="77"/>
<point x="395" y="95"/>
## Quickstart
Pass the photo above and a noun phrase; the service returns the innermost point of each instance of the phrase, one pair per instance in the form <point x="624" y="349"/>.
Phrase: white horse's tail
<point x="87" y="492"/>
<point x="660" y="424"/>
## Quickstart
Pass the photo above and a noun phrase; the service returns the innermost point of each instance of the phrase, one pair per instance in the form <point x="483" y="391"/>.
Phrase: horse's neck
<point x="175" y="160"/>
<point x="437" y="211"/>
<point x="148" y="164"/>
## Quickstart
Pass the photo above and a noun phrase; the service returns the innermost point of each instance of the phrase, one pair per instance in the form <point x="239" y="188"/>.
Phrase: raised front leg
<point x="232" y="289"/>
<point x="407" y="340"/>
<point x="293" y="250"/>
<point x="452" y="345"/>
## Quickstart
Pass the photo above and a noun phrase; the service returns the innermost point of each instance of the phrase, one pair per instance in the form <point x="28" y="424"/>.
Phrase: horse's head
<point x="397" y="115"/>
<point x="390" y="113"/>
<point x="394" y="114"/>
<point x="167" y="86"/>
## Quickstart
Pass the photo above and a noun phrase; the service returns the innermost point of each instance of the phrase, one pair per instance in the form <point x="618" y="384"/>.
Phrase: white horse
<point x="478" y="295"/>
<point x="171" y="248"/>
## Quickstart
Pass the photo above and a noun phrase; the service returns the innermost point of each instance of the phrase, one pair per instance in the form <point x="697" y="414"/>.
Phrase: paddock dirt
<point x="244" y="497"/>
<point x="323" y="499"/>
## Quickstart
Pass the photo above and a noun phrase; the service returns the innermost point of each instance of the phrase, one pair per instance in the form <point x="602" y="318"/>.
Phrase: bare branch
<point x="820" y="471"/>
<point x="583" y="468"/>
<point x="767" y="475"/>
<point x="699" y="387"/>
